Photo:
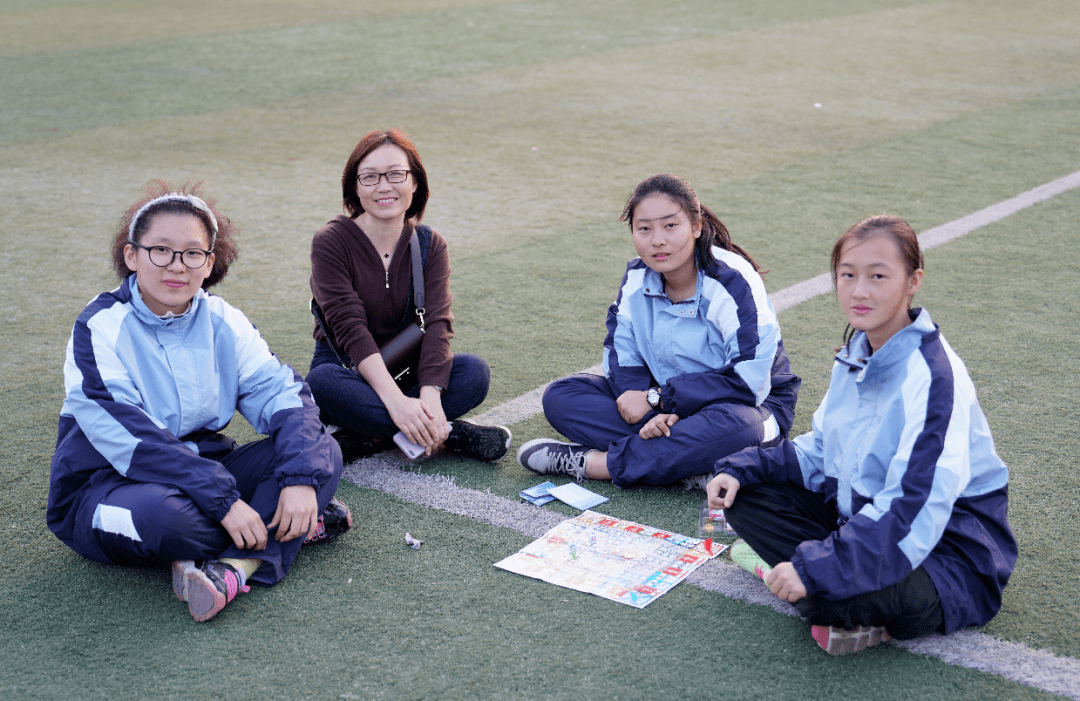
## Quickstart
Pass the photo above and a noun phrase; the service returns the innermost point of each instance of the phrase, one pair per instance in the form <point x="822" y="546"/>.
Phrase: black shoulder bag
<point x="398" y="353"/>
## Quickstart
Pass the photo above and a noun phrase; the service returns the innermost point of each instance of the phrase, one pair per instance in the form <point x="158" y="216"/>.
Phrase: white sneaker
<point x="547" y="456"/>
<point x="697" y="482"/>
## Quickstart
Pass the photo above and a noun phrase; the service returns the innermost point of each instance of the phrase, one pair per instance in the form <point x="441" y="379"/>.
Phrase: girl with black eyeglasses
<point x="155" y="370"/>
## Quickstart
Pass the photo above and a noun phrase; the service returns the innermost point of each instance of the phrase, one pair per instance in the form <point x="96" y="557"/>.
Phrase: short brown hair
<point x="371" y="141"/>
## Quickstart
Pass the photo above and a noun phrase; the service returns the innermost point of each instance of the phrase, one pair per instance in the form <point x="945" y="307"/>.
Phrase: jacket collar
<point x="150" y="318"/>
<point x="653" y="285"/>
<point x="856" y="354"/>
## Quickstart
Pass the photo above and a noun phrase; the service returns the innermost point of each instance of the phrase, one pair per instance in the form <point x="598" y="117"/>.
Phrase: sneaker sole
<point x="180" y="569"/>
<point x="837" y="641"/>
<point x="506" y="446"/>
<point x="203" y="598"/>
<point x="697" y="482"/>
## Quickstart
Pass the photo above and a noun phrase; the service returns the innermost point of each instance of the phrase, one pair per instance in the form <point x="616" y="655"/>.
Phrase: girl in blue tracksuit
<point x="154" y="370"/>
<point x="694" y="367"/>
<point x="889" y="517"/>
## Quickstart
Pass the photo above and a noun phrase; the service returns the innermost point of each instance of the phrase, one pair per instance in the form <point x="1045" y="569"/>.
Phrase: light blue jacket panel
<point x="138" y="386"/>
<point x="721" y="344"/>
<point x="901" y="446"/>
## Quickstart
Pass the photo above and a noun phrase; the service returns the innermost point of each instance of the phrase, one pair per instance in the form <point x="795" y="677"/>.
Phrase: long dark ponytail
<point x="713" y="231"/>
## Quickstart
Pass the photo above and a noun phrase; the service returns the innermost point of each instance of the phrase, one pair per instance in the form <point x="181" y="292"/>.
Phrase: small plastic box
<point x="712" y="524"/>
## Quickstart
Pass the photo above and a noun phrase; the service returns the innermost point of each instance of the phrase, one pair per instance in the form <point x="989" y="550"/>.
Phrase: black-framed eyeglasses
<point x="163" y="256"/>
<point x="392" y="176"/>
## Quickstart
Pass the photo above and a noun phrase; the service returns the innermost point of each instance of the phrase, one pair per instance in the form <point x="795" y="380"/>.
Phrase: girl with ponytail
<point x="694" y="366"/>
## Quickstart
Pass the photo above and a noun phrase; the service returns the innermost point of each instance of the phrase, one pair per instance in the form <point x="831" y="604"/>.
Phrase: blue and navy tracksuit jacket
<point x="144" y="390"/>
<point x="901" y="447"/>
<point x="721" y="345"/>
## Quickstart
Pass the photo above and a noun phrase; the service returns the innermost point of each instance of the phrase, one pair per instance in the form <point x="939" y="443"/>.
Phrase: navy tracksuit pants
<point x="139" y="523"/>
<point x="582" y="407"/>
<point x="774" y="518"/>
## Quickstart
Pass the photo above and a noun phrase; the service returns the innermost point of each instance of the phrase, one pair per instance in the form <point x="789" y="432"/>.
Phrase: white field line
<point x="967" y="648"/>
<point x="528" y="404"/>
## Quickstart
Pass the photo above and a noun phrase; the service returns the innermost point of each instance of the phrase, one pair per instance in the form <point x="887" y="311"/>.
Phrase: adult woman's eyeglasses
<point x="163" y="256"/>
<point x="392" y="176"/>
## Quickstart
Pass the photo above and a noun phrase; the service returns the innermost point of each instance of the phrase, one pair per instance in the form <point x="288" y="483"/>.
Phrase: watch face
<point x="653" y="397"/>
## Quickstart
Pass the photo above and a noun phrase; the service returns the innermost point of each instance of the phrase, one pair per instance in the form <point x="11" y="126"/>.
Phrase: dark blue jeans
<point x="347" y="401"/>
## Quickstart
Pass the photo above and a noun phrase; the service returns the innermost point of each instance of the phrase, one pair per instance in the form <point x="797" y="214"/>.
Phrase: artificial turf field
<point x="792" y="120"/>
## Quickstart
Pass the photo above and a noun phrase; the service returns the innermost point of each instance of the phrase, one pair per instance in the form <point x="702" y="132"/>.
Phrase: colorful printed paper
<point x="539" y="494"/>
<point x="620" y="560"/>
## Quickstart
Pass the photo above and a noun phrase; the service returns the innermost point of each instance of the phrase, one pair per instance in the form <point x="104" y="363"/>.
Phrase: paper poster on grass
<point x="619" y="560"/>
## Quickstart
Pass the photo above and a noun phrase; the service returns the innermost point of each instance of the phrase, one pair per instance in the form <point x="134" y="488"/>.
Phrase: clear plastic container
<point x="712" y="524"/>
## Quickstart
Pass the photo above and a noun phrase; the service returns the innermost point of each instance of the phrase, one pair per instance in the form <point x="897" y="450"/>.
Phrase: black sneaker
<point x="334" y="520"/>
<point x="354" y="446"/>
<point x="484" y="443"/>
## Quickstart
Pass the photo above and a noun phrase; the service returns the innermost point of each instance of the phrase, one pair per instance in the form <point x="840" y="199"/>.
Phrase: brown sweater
<point x="350" y="284"/>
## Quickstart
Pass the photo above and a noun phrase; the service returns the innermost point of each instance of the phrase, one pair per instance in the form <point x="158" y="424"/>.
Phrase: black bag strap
<point x="319" y="317"/>
<point x="417" y="281"/>
<point x="417" y="278"/>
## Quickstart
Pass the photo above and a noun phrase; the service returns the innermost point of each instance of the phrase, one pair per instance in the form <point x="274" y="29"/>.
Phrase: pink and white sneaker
<point x="206" y="588"/>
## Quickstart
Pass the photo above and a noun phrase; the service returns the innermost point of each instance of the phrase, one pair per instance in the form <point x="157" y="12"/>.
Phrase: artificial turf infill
<point x="419" y="624"/>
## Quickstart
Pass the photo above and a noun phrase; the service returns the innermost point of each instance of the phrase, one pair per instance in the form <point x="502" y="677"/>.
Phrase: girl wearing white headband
<point x="155" y="369"/>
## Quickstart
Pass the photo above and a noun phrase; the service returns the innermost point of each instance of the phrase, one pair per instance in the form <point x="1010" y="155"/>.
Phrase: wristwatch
<point x="653" y="397"/>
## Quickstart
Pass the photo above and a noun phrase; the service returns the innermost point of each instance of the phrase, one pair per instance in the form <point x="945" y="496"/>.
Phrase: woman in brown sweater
<point x="361" y="265"/>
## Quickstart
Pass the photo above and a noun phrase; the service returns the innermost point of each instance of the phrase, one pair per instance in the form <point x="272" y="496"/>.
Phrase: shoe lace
<point x="571" y="463"/>
<point x="320" y="532"/>
<point x="478" y="440"/>
<point x="696" y="482"/>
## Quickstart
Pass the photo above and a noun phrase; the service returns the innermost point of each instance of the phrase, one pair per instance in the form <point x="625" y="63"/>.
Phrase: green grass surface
<point x="535" y="119"/>
<point x="396" y="623"/>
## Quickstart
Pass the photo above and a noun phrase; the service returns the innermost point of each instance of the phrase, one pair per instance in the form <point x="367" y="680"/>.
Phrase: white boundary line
<point x="528" y="404"/>
<point x="966" y="648"/>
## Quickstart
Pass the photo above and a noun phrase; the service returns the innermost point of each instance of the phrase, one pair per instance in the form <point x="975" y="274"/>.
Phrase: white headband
<point x="194" y="201"/>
